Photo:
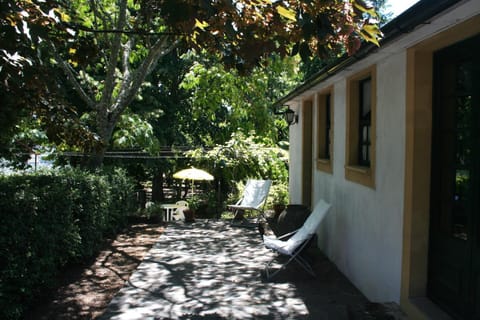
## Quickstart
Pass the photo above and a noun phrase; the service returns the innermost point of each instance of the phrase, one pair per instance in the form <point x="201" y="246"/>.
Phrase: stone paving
<point x="211" y="270"/>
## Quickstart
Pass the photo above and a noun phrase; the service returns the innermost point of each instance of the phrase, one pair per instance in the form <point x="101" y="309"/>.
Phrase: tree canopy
<point x="78" y="65"/>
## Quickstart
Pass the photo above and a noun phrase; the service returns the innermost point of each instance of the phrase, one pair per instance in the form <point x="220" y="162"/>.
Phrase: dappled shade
<point x="201" y="269"/>
<point x="210" y="270"/>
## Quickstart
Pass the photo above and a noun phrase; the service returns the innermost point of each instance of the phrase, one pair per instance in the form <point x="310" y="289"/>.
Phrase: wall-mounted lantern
<point x="291" y="117"/>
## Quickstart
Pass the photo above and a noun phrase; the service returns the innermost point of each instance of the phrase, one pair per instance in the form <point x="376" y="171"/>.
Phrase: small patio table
<point x="169" y="210"/>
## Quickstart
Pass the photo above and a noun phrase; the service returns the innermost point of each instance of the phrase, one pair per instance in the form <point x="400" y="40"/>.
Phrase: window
<point x="360" y="144"/>
<point x="364" y="122"/>
<point x="325" y="131"/>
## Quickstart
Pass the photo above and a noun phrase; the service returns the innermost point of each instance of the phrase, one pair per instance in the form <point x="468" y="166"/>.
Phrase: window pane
<point x="365" y="159"/>
<point x="464" y="77"/>
<point x="365" y="97"/>
<point x="365" y="103"/>
<point x="365" y="138"/>
<point x="327" y="126"/>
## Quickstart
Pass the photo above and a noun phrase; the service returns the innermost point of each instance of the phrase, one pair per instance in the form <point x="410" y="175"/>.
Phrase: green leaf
<point x="201" y="24"/>
<point x="63" y="16"/>
<point x="286" y="13"/>
<point x="371" y="33"/>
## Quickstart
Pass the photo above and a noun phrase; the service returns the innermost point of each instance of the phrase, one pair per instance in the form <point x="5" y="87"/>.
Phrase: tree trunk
<point x="157" y="187"/>
<point x="96" y="161"/>
<point x="119" y="90"/>
<point x="104" y="128"/>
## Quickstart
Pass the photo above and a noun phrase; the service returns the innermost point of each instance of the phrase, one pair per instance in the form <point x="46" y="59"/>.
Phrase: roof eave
<point x="418" y="14"/>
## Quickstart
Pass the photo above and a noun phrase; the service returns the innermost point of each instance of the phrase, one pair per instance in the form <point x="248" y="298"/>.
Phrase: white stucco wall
<point x="362" y="234"/>
<point x="295" y="168"/>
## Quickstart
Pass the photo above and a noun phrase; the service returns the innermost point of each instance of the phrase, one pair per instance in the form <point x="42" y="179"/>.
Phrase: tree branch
<point x="127" y="49"/>
<point x="70" y="73"/>
<point x="130" y="88"/>
<point x="126" y="67"/>
<point x="114" y="53"/>
<point x="97" y="15"/>
<point x="140" y="32"/>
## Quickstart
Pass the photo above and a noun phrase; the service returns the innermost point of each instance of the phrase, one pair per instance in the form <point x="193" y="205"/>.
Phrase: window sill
<point x="361" y="175"/>
<point x="325" y="165"/>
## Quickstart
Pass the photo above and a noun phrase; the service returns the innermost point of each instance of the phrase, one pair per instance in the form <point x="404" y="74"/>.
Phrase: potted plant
<point x="189" y="212"/>
<point x="279" y="198"/>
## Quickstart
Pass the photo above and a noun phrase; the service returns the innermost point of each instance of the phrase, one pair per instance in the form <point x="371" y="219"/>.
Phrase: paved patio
<point x="211" y="270"/>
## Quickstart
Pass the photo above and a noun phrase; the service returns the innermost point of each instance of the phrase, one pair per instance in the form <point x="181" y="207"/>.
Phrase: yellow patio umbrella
<point x="193" y="174"/>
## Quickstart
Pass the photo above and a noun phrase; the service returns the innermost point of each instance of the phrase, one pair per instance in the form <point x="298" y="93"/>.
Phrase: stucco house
<point x="391" y="138"/>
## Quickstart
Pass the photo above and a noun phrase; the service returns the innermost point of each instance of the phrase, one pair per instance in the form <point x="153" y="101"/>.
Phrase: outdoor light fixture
<point x="290" y="116"/>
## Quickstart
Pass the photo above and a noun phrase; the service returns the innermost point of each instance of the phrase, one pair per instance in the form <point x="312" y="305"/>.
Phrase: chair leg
<point x="261" y="215"/>
<point x="304" y="263"/>
<point x="267" y="269"/>
<point x="280" y="269"/>
<point x="301" y="261"/>
<point x="235" y="214"/>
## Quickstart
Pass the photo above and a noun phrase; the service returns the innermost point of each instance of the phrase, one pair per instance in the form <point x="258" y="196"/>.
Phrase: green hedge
<point x="50" y="219"/>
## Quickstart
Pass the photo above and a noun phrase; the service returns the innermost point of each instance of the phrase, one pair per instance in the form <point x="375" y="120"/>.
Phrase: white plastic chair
<point x="178" y="214"/>
<point x="298" y="240"/>
<point x="254" y="197"/>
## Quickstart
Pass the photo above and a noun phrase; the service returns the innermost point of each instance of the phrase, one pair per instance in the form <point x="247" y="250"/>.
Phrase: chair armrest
<point x="287" y="234"/>
<point x="234" y="206"/>
<point x="236" y="203"/>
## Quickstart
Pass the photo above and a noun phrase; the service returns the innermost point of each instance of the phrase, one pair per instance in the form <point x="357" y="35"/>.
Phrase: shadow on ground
<point x="211" y="270"/>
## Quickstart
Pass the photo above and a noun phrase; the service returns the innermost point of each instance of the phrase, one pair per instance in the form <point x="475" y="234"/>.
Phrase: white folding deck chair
<point x="298" y="240"/>
<point x="254" y="197"/>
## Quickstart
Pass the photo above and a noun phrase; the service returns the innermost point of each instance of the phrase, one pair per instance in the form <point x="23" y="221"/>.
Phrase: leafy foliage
<point x="223" y="102"/>
<point x="244" y="32"/>
<point x="164" y="102"/>
<point x="278" y="194"/>
<point x="240" y="158"/>
<point x="184" y="102"/>
<point x="48" y="220"/>
<point x="244" y="157"/>
<point x="29" y="87"/>
<point x="154" y="211"/>
<point x="106" y="49"/>
<point x="133" y="133"/>
<point x="313" y="64"/>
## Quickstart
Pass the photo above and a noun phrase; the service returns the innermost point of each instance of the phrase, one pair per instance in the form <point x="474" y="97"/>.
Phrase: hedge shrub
<point x="50" y="219"/>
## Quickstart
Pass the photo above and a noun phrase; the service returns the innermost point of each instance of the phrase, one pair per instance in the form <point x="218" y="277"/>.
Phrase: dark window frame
<point x="325" y="126"/>
<point x="360" y="166"/>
